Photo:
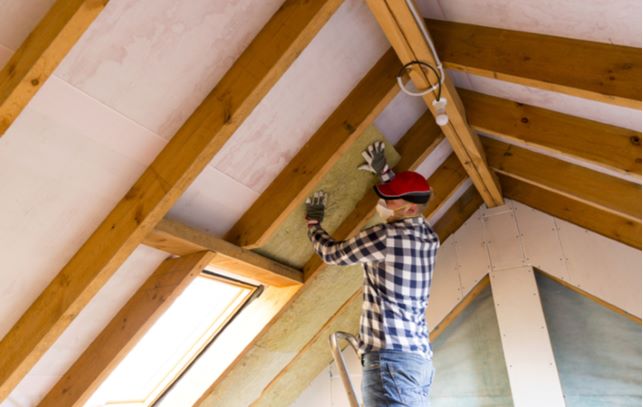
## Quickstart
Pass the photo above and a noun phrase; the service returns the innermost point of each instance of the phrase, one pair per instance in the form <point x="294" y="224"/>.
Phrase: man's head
<point x="405" y="196"/>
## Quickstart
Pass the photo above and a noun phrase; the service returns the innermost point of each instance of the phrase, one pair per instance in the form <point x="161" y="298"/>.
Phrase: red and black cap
<point x="407" y="185"/>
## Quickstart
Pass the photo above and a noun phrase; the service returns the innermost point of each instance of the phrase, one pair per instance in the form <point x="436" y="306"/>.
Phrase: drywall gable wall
<point x="513" y="236"/>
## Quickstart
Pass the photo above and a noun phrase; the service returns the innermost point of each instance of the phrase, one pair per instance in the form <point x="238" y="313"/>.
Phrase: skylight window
<point x="173" y="342"/>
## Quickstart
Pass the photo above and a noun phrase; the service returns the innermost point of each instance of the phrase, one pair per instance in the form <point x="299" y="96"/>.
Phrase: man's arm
<point x="369" y="246"/>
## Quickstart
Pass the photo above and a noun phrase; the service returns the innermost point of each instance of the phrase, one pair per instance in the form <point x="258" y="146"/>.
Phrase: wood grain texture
<point x="176" y="238"/>
<point x="597" y="71"/>
<point x="444" y="182"/>
<point x="41" y="52"/>
<point x="402" y="31"/>
<point x="593" y="188"/>
<point x="297" y="180"/>
<point x="169" y="175"/>
<point x="573" y="211"/>
<point x="610" y="147"/>
<point x="124" y="331"/>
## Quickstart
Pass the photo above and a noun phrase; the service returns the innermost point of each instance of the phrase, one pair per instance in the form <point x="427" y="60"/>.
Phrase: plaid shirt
<point x="398" y="260"/>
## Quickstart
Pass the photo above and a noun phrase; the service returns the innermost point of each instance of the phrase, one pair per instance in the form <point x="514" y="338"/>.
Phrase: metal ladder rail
<point x="335" y="338"/>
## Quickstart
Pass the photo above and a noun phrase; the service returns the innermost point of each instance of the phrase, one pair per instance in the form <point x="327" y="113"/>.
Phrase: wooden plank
<point x="613" y="148"/>
<point x="573" y="211"/>
<point x="41" y="52"/>
<point x="593" y="188"/>
<point x="124" y="331"/>
<point x="297" y="180"/>
<point x="458" y="213"/>
<point x="592" y="297"/>
<point x="179" y="239"/>
<point x="418" y="142"/>
<point x="183" y="158"/>
<point x="603" y="72"/>
<point x="402" y="31"/>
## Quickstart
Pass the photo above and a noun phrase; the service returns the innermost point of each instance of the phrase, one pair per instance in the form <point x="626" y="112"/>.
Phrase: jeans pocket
<point x="412" y="382"/>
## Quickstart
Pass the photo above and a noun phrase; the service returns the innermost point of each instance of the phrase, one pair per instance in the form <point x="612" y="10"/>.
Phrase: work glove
<point x="375" y="159"/>
<point x="315" y="205"/>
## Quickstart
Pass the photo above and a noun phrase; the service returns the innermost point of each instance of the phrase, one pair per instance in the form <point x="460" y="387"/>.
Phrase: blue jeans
<point x="396" y="379"/>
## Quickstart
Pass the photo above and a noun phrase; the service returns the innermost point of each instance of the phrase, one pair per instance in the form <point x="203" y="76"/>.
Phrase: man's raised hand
<point x="315" y="206"/>
<point x="375" y="159"/>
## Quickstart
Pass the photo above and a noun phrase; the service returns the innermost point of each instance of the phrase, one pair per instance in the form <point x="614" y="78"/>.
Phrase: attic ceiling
<point x="140" y="71"/>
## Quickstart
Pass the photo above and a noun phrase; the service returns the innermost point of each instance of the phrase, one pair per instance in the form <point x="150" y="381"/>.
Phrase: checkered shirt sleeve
<point x="398" y="260"/>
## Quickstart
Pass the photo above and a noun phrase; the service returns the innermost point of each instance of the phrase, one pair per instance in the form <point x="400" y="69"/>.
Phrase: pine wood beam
<point x="603" y="72"/>
<point x="41" y="52"/>
<point x="179" y="239"/>
<point x="124" y="331"/>
<point x="602" y="191"/>
<point x="402" y="31"/>
<point x="573" y="211"/>
<point x="413" y="148"/>
<point x="446" y="180"/>
<point x="613" y="148"/>
<point x="183" y="158"/>
<point x="297" y="180"/>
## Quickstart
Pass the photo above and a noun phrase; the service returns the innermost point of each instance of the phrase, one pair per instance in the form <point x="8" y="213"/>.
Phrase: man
<point x="398" y="259"/>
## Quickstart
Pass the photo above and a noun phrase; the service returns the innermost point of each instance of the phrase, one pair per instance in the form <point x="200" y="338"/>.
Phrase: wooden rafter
<point x="452" y="175"/>
<point x="413" y="148"/>
<point x="402" y="31"/>
<point x="603" y="72"/>
<point x="458" y="213"/>
<point x="576" y="212"/>
<point x="593" y="188"/>
<point x="183" y="158"/>
<point x="613" y="148"/>
<point x="41" y="52"/>
<point x="122" y="333"/>
<point x="176" y="238"/>
<point x="297" y="180"/>
<point x="309" y="357"/>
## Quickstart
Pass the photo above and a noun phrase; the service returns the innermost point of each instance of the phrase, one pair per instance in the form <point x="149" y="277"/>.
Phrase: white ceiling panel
<point x="614" y="21"/>
<point x="213" y="203"/>
<point x="399" y="116"/>
<point x="155" y="60"/>
<point x="5" y="54"/>
<point x="18" y="18"/>
<point x="323" y="75"/>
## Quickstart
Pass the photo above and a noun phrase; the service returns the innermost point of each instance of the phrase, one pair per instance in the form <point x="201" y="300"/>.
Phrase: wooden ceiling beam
<point x="610" y="147"/>
<point x="449" y="176"/>
<point x="204" y="133"/>
<point x="573" y="211"/>
<point x="179" y="239"/>
<point x="413" y="149"/>
<point x="602" y="191"/>
<point x="41" y="52"/>
<point x="318" y="156"/>
<point x="404" y="34"/>
<point x="124" y="331"/>
<point x="458" y="213"/>
<point x="597" y="71"/>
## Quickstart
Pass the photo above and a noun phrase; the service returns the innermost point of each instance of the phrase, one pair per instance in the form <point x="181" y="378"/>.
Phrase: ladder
<point x="335" y="338"/>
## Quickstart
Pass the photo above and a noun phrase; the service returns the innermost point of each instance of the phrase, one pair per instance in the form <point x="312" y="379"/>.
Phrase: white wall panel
<point x="446" y="289"/>
<point x="528" y="353"/>
<point x="473" y="257"/>
<point x="5" y="54"/>
<point x="503" y="238"/>
<point x="18" y="18"/>
<point x="540" y="240"/>
<point x="399" y="116"/>
<point x="435" y="159"/>
<point x="603" y="267"/>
